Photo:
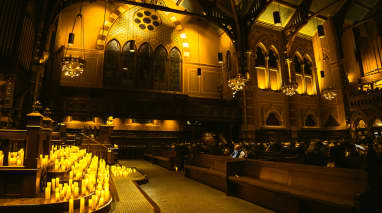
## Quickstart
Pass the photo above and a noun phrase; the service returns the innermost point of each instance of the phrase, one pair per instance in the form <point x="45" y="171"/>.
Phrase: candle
<point x="101" y="201"/>
<point x="90" y="204"/>
<point x="69" y="193"/>
<point x="82" y="205"/>
<point x="57" y="182"/>
<point x="76" y="193"/>
<point x="53" y="184"/>
<point x="47" y="193"/>
<point x="71" y="209"/>
<point x="70" y="183"/>
<point x="107" y="195"/>
<point x="57" y="197"/>
<point x="18" y="163"/>
<point x="71" y="175"/>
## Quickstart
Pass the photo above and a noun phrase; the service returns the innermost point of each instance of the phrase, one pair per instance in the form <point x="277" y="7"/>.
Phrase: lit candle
<point x="76" y="191"/>
<point x="71" y="209"/>
<point x="57" y="197"/>
<point x="71" y="175"/>
<point x="82" y="205"/>
<point x="47" y="193"/>
<point x="107" y="195"/>
<point x="54" y="184"/>
<point x="57" y="182"/>
<point x="70" y="183"/>
<point x="18" y="162"/>
<point x="90" y="204"/>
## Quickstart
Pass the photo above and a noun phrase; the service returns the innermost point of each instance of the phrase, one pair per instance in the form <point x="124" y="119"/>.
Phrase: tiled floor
<point x="177" y="194"/>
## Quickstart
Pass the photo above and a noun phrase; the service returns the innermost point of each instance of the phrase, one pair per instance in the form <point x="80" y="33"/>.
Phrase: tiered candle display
<point x="90" y="170"/>
<point x="16" y="158"/>
<point x="119" y="171"/>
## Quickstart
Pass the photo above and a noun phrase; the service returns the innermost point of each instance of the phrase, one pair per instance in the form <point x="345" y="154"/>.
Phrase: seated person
<point x="236" y="151"/>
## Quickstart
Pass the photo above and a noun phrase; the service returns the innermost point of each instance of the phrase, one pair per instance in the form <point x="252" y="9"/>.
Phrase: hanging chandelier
<point x="237" y="83"/>
<point x="73" y="66"/>
<point x="289" y="88"/>
<point x="329" y="94"/>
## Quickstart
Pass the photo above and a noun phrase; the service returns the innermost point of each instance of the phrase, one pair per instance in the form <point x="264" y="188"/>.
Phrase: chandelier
<point x="329" y="94"/>
<point x="289" y="88"/>
<point x="72" y="66"/>
<point x="237" y="83"/>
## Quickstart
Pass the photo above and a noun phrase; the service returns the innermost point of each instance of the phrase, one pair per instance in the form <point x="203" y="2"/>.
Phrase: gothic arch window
<point x="175" y="70"/>
<point x="260" y="57"/>
<point x="160" y="77"/>
<point x="308" y="76"/>
<point x="272" y="120"/>
<point x="299" y="74"/>
<point x="111" y="63"/>
<point x="275" y="81"/>
<point x="262" y="74"/>
<point x="310" y="121"/>
<point x="144" y="66"/>
<point x="128" y="68"/>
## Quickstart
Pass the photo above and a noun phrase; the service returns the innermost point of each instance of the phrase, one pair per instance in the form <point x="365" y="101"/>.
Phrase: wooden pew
<point x="209" y="169"/>
<point x="162" y="157"/>
<point x="286" y="187"/>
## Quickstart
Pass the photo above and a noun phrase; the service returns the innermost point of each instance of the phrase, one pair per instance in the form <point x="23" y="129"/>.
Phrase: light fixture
<point x="290" y="87"/>
<point x="276" y="18"/>
<point x="220" y="58"/>
<point x="321" y="31"/>
<point x="132" y="46"/>
<point x="72" y="66"/>
<point x="199" y="71"/>
<point x="329" y="94"/>
<point x="183" y="35"/>
<point x="237" y="84"/>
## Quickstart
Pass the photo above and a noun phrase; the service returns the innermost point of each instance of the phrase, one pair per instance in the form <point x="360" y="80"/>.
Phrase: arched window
<point x="144" y="66"/>
<point x="128" y="68"/>
<point x="260" y="57"/>
<point x="309" y="121"/>
<point x="175" y="70"/>
<point x="159" y="69"/>
<point x="273" y="60"/>
<point x="262" y="75"/>
<point x="111" y="63"/>
<point x="272" y="120"/>
<point x="308" y="76"/>
<point x="297" y="64"/>
<point x="274" y="71"/>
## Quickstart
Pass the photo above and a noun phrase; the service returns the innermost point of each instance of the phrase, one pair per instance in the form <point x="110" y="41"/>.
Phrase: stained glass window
<point x="128" y="69"/>
<point x="111" y="63"/>
<point x="260" y="57"/>
<point x="175" y="70"/>
<point x="144" y="67"/>
<point x="159" y="69"/>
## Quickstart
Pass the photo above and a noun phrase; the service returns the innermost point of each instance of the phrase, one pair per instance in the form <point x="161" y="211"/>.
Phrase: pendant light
<point x="132" y="46"/>
<point x="73" y="66"/>
<point x="277" y="17"/>
<point x="220" y="57"/>
<point x="321" y="31"/>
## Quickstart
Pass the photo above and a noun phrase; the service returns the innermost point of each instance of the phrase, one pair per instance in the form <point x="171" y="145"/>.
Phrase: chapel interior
<point x="190" y="106"/>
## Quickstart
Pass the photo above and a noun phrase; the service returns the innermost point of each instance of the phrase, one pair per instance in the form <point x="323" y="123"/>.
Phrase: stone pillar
<point x="34" y="146"/>
<point x="47" y="129"/>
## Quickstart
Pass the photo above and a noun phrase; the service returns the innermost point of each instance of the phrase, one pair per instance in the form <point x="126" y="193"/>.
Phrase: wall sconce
<point x="220" y="58"/>
<point x="321" y="31"/>
<point x="199" y="71"/>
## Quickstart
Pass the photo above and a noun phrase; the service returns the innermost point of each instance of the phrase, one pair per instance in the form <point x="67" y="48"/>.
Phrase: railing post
<point x="34" y="144"/>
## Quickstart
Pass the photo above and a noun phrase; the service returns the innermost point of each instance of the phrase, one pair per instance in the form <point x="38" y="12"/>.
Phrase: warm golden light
<point x="173" y="19"/>
<point x="186" y="54"/>
<point x="183" y="35"/>
<point x="186" y="45"/>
